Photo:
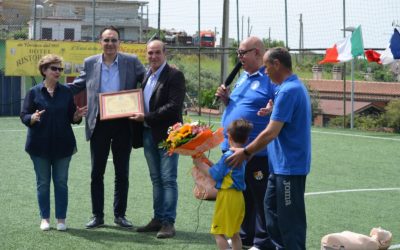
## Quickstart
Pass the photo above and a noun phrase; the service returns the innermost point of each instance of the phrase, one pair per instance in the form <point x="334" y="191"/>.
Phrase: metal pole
<point x="242" y="26"/>
<point x="352" y="95"/>
<point x="237" y="20"/>
<point x="40" y="21"/>
<point x="248" y="26"/>
<point x="286" y="25"/>
<point x="344" y="67"/>
<point x="269" y="37"/>
<point x="198" y="55"/>
<point x="94" y="21"/>
<point x="225" y="36"/>
<point x="141" y="23"/>
<point x="34" y="19"/>
<point x="159" y="20"/>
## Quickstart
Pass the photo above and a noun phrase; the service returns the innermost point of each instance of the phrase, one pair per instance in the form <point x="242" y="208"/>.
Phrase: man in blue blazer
<point x="164" y="92"/>
<point x="108" y="72"/>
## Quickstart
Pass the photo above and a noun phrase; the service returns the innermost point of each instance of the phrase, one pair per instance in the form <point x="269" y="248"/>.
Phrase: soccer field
<point x="354" y="185"/>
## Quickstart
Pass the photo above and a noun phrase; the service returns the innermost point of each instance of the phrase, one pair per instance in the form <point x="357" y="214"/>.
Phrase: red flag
<point x="330" y="56"/>
<point x="373" y="56"/>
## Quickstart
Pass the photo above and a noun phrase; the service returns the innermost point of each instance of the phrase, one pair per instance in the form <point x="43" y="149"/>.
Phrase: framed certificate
<point x="120" y="104"/>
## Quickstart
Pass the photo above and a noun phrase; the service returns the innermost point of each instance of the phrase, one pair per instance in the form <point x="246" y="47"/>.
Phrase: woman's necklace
<point x="50" y="90"/>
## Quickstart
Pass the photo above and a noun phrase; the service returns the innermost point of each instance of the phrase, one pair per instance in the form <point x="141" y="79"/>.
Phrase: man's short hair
<point x="158" y="40"/>
<point x="239" y="130"/>
<point x="282" y="55"/>
<point x="109" y="28"/>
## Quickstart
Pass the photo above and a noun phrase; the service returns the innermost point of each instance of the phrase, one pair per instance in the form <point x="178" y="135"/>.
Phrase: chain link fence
<point x="193" y="31"/>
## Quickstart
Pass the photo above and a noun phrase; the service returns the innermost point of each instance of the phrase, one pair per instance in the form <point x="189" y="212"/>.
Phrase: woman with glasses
<point x="48" y="112"/>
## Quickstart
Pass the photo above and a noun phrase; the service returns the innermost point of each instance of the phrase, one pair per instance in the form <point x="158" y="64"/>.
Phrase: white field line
<point x="24" y="130"/>
<point x="352" y="190"/>
<point x="395" y="246"/>
<point x="353" y="135"/>
<point x="213" y="122"/>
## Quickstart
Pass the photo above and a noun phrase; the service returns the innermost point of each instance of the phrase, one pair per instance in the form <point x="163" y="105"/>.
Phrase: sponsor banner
<point x="22" y="56"/>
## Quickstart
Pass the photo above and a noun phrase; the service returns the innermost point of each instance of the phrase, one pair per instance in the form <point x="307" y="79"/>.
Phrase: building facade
<point x="78" y="20"/>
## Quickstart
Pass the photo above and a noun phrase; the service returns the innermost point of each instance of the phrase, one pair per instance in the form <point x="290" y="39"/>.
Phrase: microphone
<point x="230" y="78"/>
<point x="232" y="75"/>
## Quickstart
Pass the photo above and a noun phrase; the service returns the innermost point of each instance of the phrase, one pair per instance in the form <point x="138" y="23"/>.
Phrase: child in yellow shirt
<point x="229" y="206"/>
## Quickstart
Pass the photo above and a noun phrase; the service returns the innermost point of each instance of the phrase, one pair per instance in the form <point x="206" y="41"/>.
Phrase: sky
<point x="322" y="19"/>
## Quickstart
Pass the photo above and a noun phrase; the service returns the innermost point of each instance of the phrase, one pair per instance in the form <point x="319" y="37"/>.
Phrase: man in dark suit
<point x="108" y="72"/>
<point x="164" y="91"/>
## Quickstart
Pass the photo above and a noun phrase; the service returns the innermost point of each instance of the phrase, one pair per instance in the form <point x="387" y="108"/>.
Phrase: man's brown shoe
<point x="166" y="231"/>
<point x="153" y="226"/>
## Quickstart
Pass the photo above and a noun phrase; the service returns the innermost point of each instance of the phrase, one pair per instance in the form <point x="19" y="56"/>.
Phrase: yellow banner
<point x="22" y="56"/>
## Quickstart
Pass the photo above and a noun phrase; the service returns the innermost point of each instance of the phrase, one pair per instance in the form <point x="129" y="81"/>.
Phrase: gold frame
<point x="121" y="104"/>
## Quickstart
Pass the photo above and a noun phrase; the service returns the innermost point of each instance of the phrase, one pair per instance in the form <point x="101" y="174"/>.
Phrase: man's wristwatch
<point x="247" y="153"/>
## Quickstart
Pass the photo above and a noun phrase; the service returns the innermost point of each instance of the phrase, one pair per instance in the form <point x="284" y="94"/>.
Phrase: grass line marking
<point x="397" y="246"/>
<point x="353" y="135"/>
<point x="25" y="130"/>
<point x="352" y="190"/>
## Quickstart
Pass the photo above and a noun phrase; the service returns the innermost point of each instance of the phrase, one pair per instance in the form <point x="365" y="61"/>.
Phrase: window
<point x="47" y="33"/>
<point x="69" y="34"/>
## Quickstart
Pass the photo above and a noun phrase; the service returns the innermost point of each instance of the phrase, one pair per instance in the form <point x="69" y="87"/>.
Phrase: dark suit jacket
<point x="165" y="107"/>
<point x="131" y="71"/>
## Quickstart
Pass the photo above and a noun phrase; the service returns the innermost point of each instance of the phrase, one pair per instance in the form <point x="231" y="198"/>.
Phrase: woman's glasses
<point x="54" y="68"/>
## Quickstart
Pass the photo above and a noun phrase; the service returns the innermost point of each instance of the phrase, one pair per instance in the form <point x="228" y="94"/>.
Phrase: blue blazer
<point x="131" y="71"/>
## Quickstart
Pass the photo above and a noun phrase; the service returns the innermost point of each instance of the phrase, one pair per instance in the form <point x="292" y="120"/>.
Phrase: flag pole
<point x="352" y="95"/>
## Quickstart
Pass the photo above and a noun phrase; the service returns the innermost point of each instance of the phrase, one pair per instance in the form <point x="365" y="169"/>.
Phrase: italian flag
<point x="346" y="49"/>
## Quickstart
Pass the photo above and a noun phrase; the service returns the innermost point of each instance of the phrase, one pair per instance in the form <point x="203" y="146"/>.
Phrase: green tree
<point x="22" y="34"/>
<point x="383" y="75"/>
<point x="152" y="33"/>
<point x="314" y="95"/>
<point x="270" y="43"/>
<point x="209" y="75"/>
<point x="392" y="115"/>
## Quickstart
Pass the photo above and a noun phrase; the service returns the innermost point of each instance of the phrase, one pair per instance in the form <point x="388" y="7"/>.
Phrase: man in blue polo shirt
<point x="251" y="92"/>
<point x="288" y="136"/>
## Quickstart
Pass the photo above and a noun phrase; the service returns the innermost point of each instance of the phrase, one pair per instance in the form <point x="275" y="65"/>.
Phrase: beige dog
<point x="379" y="239"/>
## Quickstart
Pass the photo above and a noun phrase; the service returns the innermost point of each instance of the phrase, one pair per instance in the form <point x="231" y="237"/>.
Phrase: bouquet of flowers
<point x="194" y="139"/>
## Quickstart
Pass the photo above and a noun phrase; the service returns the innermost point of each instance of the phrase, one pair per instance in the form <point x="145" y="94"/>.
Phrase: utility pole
<point x="237" y="20"/>
<point x="286" y="25"/>
<point x="269" y="37"/>
<point x="198" y="55"/>
<point x="242" y="27"/>
<point x="215" y="32"/>
<point x="94" y="21"/>
<point x="159" y="19"/>
<point x="344" y="67"/>
<point x="34" y="19"/>
<point x="301" y="40"/>
<point x="248" y="26"/>
<point x="225" y="41"/>
<point x="141" y="23"/>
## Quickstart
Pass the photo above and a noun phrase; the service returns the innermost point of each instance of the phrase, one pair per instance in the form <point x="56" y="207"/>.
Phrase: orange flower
<point x="192" y="138"/>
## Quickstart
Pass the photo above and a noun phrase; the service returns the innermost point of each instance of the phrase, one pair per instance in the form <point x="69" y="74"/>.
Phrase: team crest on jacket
<point x="258" y="175"/>
<point x="254" y="85"/>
